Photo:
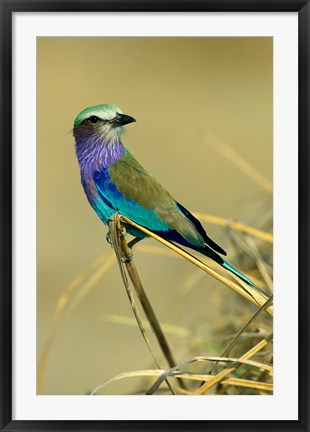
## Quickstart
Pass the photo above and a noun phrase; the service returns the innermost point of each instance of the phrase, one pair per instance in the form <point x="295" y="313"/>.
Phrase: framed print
<point x="154" y="184"/>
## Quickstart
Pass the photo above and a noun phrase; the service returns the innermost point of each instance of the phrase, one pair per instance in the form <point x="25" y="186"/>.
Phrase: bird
<point x="115" y="182"/>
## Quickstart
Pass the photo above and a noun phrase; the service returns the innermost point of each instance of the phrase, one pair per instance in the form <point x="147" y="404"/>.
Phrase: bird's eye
<point x="93" y="119"/>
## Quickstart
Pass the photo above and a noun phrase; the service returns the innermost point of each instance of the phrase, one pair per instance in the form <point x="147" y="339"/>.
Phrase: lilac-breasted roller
<point x="115" y="182"/>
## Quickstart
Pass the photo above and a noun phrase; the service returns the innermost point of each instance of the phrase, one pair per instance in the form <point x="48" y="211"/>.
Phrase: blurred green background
<point x="179" y="90"/>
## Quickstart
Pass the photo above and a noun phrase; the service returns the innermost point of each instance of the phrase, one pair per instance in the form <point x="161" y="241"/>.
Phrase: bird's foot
<point x="127" y="259"/>
<point x="134" y="241"/>
<point x="123" y="232"/>
<point x="108" y="238"/>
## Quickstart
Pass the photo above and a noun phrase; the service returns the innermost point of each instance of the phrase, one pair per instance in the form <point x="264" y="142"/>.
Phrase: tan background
<point x="178" y="89"/>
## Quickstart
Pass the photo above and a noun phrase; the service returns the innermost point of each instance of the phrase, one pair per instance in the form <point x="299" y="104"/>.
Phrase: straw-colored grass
<point x="83" y="283"/>
<point x="74" y="294"/>
<point x="210" y="380"/>
<point x="226" y="151"/>
<point x="248" y="368"/>
<point x="246" y="291"/>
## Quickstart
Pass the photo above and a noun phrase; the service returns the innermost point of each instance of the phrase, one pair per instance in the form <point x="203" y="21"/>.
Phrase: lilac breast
<point x="94" y="155"/>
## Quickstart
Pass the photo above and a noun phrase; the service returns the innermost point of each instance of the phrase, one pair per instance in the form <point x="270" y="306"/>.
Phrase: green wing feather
<point x="136" y="184"/>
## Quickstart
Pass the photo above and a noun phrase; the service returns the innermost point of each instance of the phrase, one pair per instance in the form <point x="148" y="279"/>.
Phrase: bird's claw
<point x="127" y="258"/>
<point x="123" y="232"/>
<point x="108" y="238"/>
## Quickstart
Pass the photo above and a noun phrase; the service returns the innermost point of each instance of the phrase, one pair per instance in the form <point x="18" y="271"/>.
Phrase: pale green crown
<point x="103" y="111"/>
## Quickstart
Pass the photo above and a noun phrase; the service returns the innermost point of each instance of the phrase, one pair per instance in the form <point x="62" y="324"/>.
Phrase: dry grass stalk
<point x="235" y="225"/>
<point x="101" y="266"/>
<point x="246" y="325"/>
<point x="221" y="375"/>
<point x="124" y="257"/>
<point x="209" y="379"/>
<point x="236" y="159"/>
<point x="249" y="293"/>
<point x="178" y="331"/>
<point x="258" y="385"/>
<point x="242" y="330"/>
<point x="84" y="282"/>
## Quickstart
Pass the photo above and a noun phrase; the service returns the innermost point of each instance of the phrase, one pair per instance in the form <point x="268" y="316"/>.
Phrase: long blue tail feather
<point x="235" y="271"/>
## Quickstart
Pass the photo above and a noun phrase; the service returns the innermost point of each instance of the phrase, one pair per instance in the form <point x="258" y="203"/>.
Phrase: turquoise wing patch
<point x="117" y="203"/>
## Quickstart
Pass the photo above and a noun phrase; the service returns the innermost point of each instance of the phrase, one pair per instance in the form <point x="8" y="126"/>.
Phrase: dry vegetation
<point x="244" y="356"/>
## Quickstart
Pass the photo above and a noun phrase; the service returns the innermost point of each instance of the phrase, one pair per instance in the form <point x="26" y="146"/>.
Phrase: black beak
<point x="122" y="119"/>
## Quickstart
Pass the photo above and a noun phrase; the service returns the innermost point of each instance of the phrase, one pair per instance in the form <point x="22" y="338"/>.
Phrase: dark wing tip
<point x="214" y="246"/>
<point x="201" y="230"/>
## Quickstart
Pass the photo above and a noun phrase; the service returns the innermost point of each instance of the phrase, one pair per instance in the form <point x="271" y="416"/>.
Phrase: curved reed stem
<point x="235" y="225"/>
<point x="249" y="293"/>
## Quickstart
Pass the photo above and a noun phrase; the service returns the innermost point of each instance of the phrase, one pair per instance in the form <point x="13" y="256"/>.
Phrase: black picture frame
<point x="7" y="9"/>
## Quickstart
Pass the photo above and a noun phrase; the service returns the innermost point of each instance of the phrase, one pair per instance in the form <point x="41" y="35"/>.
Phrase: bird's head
<point x="106" y="120"/>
